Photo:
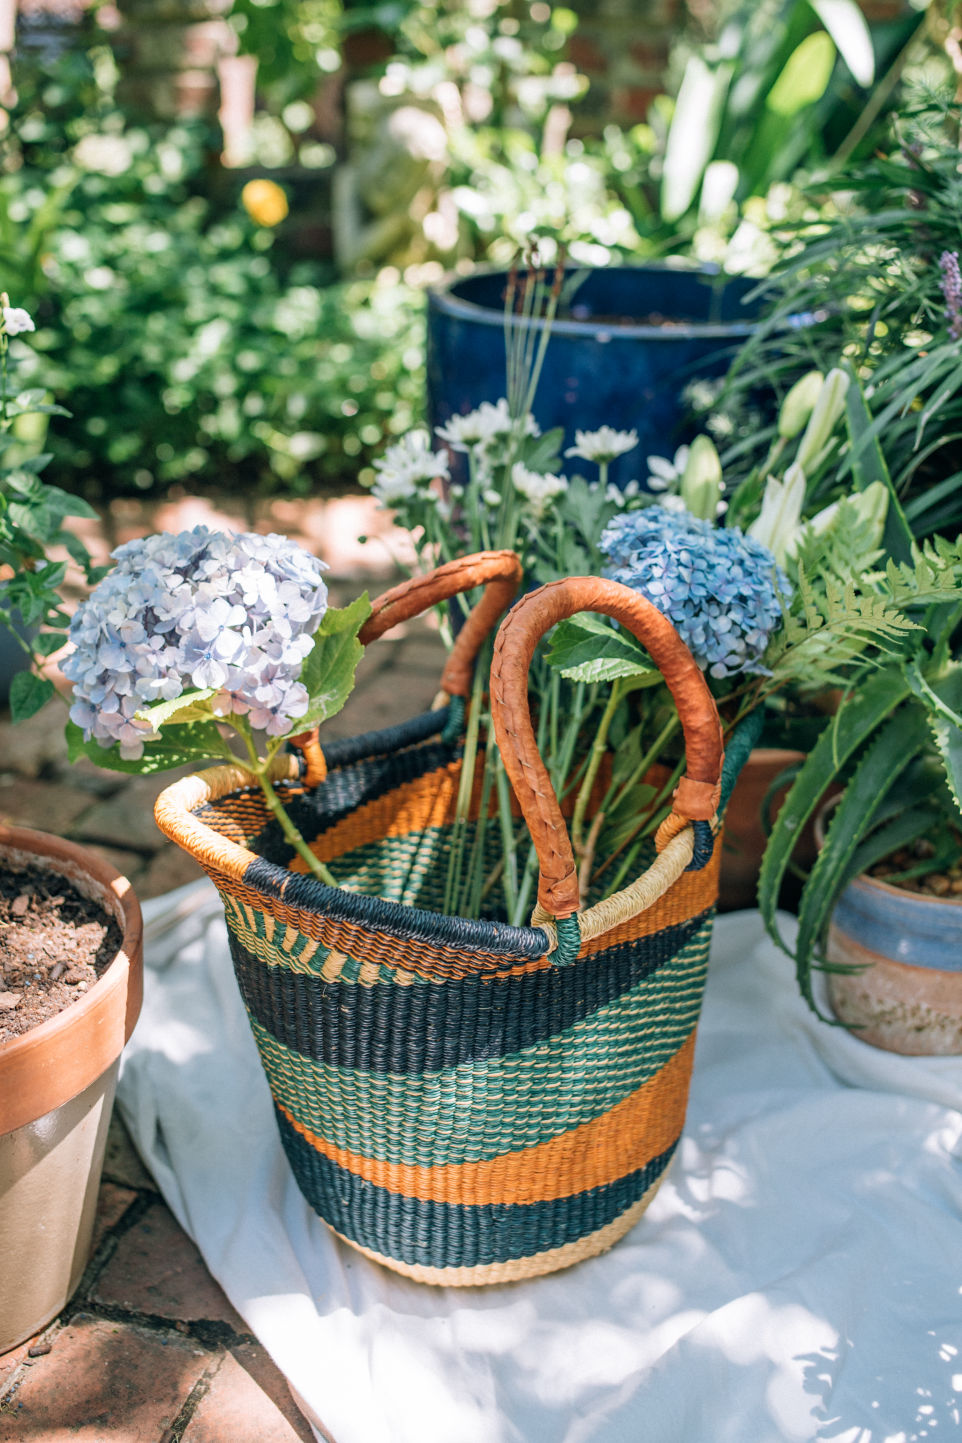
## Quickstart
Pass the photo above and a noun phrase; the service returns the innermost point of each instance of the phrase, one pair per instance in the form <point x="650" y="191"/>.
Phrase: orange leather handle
<point x="698" y="792"/>
<point x="499" y="572"/>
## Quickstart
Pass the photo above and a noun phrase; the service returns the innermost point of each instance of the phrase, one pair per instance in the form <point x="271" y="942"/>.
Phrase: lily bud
<point x="824" y="418"/>
<point x="778" y="522"/>
<point x="701" y="482"/>
<point x="798" y="405"/>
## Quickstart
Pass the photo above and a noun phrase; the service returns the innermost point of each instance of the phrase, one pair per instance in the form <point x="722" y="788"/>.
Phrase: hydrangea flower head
<point x="602" y="445"/>
<point x="717" y="586"/>
<point x="202" y="609"/>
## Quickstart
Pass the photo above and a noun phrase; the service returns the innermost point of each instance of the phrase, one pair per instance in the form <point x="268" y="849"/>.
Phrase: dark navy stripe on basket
<point x="423" y="1029"/>
<point x="440" y="1235"/>
<point x="343" y="750"/>
<point x="347" y="788"/>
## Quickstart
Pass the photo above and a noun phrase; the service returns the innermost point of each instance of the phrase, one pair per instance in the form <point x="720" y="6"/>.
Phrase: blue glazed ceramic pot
<point x="907" y="997"/>
<point x="635" y="336"/>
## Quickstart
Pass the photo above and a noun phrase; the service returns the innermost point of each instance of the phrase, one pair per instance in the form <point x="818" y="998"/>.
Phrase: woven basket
<point x="467" y="1102"/>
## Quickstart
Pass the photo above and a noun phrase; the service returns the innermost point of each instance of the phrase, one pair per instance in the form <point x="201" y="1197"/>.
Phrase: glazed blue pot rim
<point x="917" y="900"/>
<point x="439" y="295"/>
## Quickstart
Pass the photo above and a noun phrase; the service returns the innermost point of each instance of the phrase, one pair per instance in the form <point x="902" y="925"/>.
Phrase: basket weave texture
<point x="452" y="1102"/>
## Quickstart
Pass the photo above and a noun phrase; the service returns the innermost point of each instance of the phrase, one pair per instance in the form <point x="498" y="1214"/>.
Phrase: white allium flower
<point x="602" y="445"/>
<point x="16" y="320"/>
<point x="536" y="488"/>
<point x="663" y="473"/>
<point x="392" y="487"/>
<point x="198" y="610"/>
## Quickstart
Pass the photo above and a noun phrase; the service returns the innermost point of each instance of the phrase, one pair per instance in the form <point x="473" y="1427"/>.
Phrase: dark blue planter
<point x="609" y="364"/>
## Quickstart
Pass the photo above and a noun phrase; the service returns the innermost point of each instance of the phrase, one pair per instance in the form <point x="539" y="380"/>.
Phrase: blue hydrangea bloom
<point x="718" y="586"/>
<point x="202" y="609"/>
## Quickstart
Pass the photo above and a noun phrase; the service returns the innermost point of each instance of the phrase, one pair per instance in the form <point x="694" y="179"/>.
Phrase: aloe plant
<point x="895" y="744"/>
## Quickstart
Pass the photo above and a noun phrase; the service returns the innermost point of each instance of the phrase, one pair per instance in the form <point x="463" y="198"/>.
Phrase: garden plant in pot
<point x="70" y="944"/>
<point x="883" y="898"/>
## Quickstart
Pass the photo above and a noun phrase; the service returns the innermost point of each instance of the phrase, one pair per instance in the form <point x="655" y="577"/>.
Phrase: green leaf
<point x="944" y="699"/>
<point x="693" y="133"/>
<point x="891" y="750"/>
<point x="868" y="465"/>
<point x="329" y="670"/>
<point x="541" y="453"/>
<point x="188" y="707"/>
<point x="201" y="742"/>
<point x="846" y="25"/>
<point x="855" y="721"/>
<point x="28" y="693"/>
<point x="586" y="648"/>
<point x="804" y="78"/>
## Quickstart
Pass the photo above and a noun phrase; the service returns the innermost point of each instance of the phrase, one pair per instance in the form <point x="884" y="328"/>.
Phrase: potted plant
<point x="880" y="911"/>
<point x="58" y="1065"/>
<point x="625" y="340"/>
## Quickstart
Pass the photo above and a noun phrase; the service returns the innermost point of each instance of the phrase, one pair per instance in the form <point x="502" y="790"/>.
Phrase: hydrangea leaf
<point x="587" y="649"/>
<point x="188" y="707"/>
<point x="201" y="742"/>
<point x="329" y="670"/>
<point x="28" y="693"/>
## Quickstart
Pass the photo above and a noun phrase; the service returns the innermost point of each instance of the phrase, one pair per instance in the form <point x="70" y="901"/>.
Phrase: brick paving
<point x="149" y="1350"/>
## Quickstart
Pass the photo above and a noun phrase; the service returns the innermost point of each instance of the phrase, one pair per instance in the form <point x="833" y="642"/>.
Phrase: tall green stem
<point x="260" y="768"/>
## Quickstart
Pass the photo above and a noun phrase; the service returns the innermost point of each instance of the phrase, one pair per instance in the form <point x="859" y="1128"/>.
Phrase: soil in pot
<point x="54" y="944"/>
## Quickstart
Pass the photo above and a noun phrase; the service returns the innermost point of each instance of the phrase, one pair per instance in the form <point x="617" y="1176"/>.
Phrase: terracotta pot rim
<point x="57" y="1059"/>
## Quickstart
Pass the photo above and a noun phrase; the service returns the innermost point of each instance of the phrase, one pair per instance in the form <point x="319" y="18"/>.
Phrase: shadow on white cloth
<point x="798" y="1276"/>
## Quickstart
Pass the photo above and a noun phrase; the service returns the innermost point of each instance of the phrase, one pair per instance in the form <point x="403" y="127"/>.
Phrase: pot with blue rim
<point x="904" y="993"/>
<point x="624" y="345"/>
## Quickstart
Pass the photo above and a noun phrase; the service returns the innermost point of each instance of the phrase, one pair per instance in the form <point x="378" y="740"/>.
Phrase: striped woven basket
<point x="463" y="1101"/>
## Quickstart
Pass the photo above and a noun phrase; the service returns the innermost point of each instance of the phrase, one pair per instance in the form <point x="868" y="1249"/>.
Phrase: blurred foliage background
<point x="258" y="325"/>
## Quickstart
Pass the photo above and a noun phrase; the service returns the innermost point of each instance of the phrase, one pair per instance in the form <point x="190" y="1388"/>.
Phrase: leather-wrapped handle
<point x="697" y="795"/>
<point x="499" y="572"/>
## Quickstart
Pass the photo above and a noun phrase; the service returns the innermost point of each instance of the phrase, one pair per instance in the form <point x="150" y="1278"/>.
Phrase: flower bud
<point x="823" y="420"/>
<point x="701" y="482"/>
<point x="778" y="522"/>
<point x="798" y="405"/>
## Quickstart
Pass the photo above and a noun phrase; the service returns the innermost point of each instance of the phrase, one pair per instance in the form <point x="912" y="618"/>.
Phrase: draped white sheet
<point x="798" y="1276"/>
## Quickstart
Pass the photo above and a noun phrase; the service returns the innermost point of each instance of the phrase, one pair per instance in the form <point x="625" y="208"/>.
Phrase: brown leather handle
<point x="698" y="792"/>
<point x="499" y="572"/>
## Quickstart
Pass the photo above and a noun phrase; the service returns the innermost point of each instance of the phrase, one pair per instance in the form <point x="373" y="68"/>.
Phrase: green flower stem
<point x="463" y="800"/>
<point x="648" y="760"/>
<point x="508" y="844"/>
<point x="603" y="476"/>
<point x="260" y="770"/>
<point x="651" y="825"/>
<point x="597" y="752"/>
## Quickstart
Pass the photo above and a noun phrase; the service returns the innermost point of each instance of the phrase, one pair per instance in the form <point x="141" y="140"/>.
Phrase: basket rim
<point x="174" y="814"/>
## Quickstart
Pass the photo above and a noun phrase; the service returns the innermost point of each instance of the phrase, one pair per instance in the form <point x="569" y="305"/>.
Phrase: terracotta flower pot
<point x="57" y="1086"/>
<point x="908" y="996"/>
<point x="744" y="841"/>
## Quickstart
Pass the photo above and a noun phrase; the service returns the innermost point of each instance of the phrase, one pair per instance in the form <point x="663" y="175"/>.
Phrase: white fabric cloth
<point x="798" y="1276"/>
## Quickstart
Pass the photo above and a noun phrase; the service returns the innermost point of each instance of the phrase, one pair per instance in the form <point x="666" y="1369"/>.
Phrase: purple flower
<point x="952" y="291"/>
<point x="719" y="587"/>
<point x="236" y="612"/>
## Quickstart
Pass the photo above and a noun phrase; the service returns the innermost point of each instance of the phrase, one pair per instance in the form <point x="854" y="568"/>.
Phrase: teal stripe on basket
<point x="484" y="1108"/>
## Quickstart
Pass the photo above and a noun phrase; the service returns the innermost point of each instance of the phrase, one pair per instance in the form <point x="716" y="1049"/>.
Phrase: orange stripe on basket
<point x="622" y="1140"/>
